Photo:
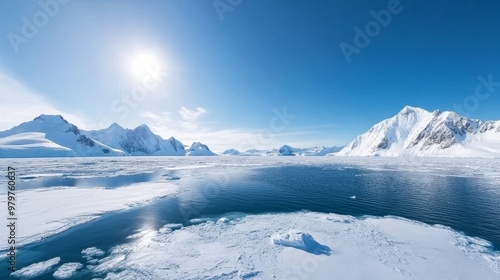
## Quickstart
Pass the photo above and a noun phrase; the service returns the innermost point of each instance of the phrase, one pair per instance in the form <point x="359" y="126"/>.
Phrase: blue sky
<point x="218" y="71"/>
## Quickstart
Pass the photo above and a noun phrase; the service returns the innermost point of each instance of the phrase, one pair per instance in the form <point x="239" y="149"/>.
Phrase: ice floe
<point x="36" y="269"/>
<point x="67" y="270"/>
<point x="49" y="211"/>
<point x="361" y="248"/>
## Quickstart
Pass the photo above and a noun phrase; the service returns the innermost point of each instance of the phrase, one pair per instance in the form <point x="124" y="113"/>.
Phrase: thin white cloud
<point x="191" y="118"/>
<point x="19" y="104"/>
<point x="191" y="115"/>
<point x="188" y="126"/>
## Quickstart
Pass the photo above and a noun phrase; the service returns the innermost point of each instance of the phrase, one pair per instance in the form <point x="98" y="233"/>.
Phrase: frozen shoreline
<point x="45" y="212"/>
<point x="239" y="246"/>
<point x="253" y="246"/>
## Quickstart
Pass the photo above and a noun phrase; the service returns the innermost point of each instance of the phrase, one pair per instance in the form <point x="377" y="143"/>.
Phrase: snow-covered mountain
<point x="53" y="136"/>
<point x="314" y="151"/>
<point x="231" y="152"/>
<point x="199" y="149"/>
<point x="138" y="142"/>
<point x="285" y="150"/>
<point x="48" y="136"/>
<point x="257" y="152"/>
<point x="417" y="132"/>
<point x="413" y="131"/>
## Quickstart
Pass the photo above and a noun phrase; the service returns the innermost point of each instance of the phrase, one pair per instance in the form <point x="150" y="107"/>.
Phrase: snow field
<point x="264" y="247"/>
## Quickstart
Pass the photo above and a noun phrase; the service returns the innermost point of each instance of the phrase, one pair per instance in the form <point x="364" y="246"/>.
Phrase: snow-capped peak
<point x="409" y="109"/>
<point x="231" y="152"/>
<point x="48" y="124"/>
<point x="199" y="149"/>
<point x="54" y="137"/>
<point x="138" y="141"/>
<point x="50" y="118"/>
<point x="143" y="127"/>
<point x="286" y="150"/>
<point x="415" y="131"/>
<point x="115" y="126"/>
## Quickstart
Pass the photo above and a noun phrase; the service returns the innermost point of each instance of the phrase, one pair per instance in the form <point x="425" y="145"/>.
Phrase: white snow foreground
<point x="301" y="240"/>
<point x="49" y="211"/>
<point x="245" y="247"/>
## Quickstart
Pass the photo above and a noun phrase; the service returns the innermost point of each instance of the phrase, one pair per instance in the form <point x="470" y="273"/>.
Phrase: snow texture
<point x="67" y="270"/>
<point x="302" y="241"/>
<point x="92" y="252"/>
<point x="36" y="269"/>
<point x="240" y="248"/>
<point x="56" y="209"/>
<point x="243" y="246"/>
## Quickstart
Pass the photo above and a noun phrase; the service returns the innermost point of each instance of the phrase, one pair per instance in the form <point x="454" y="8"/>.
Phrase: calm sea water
<point x="466" y="204"/>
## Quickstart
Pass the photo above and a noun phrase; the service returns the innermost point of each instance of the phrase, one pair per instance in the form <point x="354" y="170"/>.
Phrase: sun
<point x="143" y="63"/>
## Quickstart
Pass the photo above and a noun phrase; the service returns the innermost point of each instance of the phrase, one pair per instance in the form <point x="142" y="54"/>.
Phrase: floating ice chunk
<point x="36" y="269"/>
<point x="198" y="221"/>
<point x="353" y="197"/>
<point x="171" y="177"/>
<point x="302" y="241"/>
<point x="173" y="226"/>
<point x="142" y="233"/>
<point x="170" y="227"/>
<point x="67" y="270"/>
<point x="92" y="252"/>
<point x="165" y="230"/>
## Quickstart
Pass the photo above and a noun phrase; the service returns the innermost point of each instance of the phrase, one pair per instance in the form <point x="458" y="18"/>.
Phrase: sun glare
<point x="143" y="63"/>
